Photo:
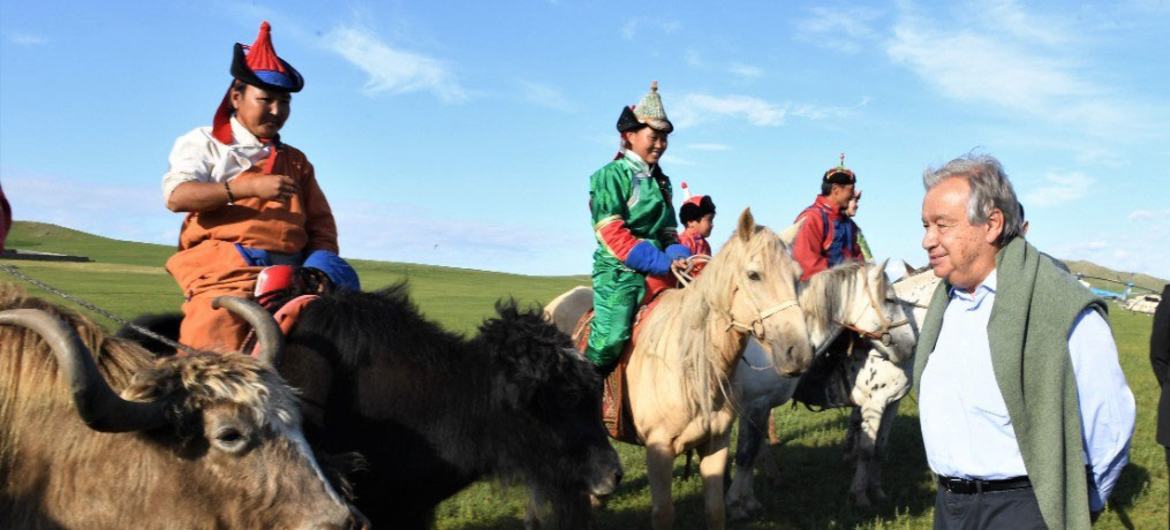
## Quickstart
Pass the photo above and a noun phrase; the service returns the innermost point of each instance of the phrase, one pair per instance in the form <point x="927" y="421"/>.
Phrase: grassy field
<point x="128" y="279"/>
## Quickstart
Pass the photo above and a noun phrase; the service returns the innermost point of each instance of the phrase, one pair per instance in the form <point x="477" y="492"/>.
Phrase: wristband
<point x="231" y="197"/>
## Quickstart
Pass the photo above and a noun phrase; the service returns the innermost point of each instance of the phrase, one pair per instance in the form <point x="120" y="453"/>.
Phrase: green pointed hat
<point x="648" y="112"/>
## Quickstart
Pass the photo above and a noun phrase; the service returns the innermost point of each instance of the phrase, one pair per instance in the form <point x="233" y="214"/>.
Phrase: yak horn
<point x="97" y="404"/>
<point x="269" y="338"/>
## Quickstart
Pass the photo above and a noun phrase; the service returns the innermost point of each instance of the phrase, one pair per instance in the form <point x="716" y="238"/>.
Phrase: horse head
<point x="880" y="317"/>
<point x="758" y="278"/>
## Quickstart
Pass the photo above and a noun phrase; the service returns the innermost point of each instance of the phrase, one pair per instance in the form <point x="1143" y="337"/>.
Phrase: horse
<point x="853" y="296"/>
<point x="681" y="363"/>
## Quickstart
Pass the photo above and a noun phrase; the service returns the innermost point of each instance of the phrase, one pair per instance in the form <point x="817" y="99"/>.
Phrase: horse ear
<point x="880" y="270"/>
<point x="747" y="225"/>
<point x="789" y="234"/>
<point x="909" y="269"/>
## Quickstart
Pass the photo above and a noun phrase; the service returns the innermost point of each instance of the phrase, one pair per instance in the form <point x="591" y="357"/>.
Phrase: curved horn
<point x="789" y="234"/>
<point x="97" y="404"/>
<point x="268" y="335"/>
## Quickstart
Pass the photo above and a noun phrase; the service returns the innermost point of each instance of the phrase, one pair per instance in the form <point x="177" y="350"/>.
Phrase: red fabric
<point x="261" y="55"/>
<point x="814" y="238"/>
<point x="221" y="125"/>
<point x="694" y="200"/>
<point x="697" y="244"/>
<point x="617" y="238"/>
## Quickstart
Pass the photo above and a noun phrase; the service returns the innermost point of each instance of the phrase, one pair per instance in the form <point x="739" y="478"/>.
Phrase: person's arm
<point x="1106" y="403"/>
<point x="806" y="248"/>
<point x="1160" y="340"/>
<point x="194" y="196"/>
<point x="607" y="200"/>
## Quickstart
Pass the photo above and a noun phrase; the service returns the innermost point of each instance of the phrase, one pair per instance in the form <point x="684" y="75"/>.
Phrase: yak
<point x="432" y="411"/>
<point x="198" y="441"/>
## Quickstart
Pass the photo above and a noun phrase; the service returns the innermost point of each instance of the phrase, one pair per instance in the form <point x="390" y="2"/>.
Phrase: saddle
<point x="826" y="384"/>
<point x="285" y="291"/>
<point x="615" y="402"/>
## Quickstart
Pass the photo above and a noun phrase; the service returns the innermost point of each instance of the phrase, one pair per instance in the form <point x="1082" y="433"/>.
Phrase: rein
<point x="881" y="334"/>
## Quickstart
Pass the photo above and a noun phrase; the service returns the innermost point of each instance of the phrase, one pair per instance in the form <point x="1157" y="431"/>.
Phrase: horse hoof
<point x="861" y="500"/>
<point x="596" y="503"/>
<point x="878" y="493"/>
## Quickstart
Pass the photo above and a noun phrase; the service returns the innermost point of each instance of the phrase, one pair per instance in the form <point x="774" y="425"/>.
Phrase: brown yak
<point x="199" y="441"/>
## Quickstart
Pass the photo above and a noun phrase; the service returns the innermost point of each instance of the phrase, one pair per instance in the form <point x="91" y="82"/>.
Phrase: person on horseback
<point x="697" y="215"/>
<point x="851" y="212"/>
<point x="635" y="227"/>
<point x="251" y="200"/>
<point x="827" y="236"/>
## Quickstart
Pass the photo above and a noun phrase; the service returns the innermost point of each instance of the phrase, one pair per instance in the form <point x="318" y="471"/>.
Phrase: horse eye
<point x="754" y="276"/>
<point x="230" y="439"/>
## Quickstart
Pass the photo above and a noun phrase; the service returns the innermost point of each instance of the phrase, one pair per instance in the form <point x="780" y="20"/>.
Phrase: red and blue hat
<point x="257" y="65"/>
<point x="694" y="207"/>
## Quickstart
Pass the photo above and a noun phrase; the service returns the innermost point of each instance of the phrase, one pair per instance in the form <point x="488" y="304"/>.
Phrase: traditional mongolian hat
<point x="257" y="65"/>
<point x="840" y="174"/>
<point x="694" y="207"/>
<point x="648" y="112"/>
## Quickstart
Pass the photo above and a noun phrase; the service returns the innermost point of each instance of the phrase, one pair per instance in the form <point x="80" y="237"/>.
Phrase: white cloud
<point x="1016" y="61"/>
<point x="1059" y="188"/>
<point x="631" y="27"/>
<point x="391" y="70"/>
<point x="26" y="39"/>
<point x="745" y="71"/>
<point x="672" y="160"/>
<point x="708" y="147"/>
<point x="844" y="29"/>
<point x="545" y="96"/>
<point x="1149" y="215"/>
<point x="696" y="108"/>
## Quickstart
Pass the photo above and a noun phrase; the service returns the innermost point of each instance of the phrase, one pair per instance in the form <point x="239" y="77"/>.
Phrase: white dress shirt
<point x="965" y="423"/>
<point x="199" y="157"/>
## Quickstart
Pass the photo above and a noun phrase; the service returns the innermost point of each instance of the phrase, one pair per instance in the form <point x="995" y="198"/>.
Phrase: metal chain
<point x="14" y="271"/>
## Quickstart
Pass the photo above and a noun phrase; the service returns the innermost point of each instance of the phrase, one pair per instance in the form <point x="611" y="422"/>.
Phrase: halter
<point x="684" y="277"/>
<point x="881" y="334"/>
<point x="756" y="326"/>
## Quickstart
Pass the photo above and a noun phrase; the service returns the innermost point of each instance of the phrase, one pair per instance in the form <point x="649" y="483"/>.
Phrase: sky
<point x="464" y="133"/>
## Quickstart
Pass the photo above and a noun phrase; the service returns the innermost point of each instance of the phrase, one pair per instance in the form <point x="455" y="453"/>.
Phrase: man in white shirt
<point x="1026" y="415"/>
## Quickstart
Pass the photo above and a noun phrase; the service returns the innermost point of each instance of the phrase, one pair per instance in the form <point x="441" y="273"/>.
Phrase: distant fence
<point x="40" y="256"/>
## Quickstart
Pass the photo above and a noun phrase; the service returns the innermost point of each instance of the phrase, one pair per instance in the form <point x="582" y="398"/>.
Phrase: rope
<point x="13" y="271"/>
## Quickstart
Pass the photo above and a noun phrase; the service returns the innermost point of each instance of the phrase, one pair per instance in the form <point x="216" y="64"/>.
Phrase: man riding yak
<point x="251" y="201"/>
<point x="635" y="226"/>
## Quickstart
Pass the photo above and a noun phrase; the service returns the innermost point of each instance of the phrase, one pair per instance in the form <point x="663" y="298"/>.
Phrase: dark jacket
<point x="1160" y="358"/>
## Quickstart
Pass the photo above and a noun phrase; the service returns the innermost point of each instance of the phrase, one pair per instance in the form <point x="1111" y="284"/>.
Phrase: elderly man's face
<point x="960" y="252"/>
<point x="262" y="112"/>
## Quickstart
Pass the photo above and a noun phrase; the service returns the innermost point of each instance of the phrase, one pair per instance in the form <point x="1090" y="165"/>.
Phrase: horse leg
<point x="879" y="384"/>
<point x="741" y="496"/>
<point x="875" y="470"/>
<point x="852" y="433"/>
<point x="533" y="513"/>
<point x="659" y="467"/>
<point x="712" y="466"/>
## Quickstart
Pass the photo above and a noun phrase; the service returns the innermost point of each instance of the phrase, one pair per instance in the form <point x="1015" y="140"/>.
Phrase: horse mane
<point x="677" y="327"/>
<point x="829" y="292"/>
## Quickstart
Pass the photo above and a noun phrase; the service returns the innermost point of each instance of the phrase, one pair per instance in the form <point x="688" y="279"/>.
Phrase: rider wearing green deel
<point x="635" y="226"/>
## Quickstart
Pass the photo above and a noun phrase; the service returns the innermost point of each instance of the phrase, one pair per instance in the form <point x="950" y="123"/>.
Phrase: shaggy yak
<point x="433" y="412"/>
<point x="200" y="441"/>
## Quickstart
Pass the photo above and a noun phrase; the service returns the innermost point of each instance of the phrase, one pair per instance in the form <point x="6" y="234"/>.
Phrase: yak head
<point x="215" y="438"/>
<point x="554" y="398"/>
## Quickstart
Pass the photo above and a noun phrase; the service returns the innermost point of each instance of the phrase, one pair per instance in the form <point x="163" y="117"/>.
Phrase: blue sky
<point x="464" y="133"/>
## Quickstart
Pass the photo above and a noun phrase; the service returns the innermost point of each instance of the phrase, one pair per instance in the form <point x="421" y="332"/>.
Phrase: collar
<point x="636" y="163"/>
<point x="830" y="208"/>
<point x="243" y="137"/>
<point x="976" y="298"/>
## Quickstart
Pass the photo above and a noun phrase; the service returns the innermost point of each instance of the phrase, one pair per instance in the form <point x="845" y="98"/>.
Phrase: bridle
<point x="882" y="334"/>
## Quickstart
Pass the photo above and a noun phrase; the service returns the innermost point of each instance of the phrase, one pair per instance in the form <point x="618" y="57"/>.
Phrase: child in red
<point x="697" y="214"/>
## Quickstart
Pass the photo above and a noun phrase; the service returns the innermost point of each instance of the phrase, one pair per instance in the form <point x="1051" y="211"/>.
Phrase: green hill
<point x="1089" y="268"/>
<point x="131" y="278"/>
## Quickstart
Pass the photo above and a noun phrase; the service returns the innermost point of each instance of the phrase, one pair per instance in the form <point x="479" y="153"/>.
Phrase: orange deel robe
<point x="209" y="265"/>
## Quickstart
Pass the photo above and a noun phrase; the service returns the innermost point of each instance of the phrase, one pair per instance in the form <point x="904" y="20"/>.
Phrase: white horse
<point x="872" y="378"/>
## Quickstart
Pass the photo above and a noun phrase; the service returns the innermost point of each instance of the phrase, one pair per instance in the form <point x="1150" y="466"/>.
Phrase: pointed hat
<point x="257" y="65"/>
<point x="648" y="112"/>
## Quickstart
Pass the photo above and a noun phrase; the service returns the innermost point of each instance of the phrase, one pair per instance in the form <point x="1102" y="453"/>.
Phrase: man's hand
<point x="268" y="187"/>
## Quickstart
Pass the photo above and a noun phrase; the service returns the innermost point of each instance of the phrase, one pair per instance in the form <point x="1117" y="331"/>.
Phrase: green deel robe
<point x="630" y="202"/>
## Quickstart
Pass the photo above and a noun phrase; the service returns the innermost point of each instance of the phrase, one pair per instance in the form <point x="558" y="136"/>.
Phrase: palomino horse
<point x="678" y="376"/>
<point x="853" y="296"/>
